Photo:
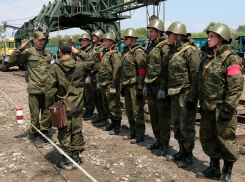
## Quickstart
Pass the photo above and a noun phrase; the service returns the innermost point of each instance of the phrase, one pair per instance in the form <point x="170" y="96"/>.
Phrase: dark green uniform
<point x="109" y="77"/>
<point x="58" y="80"/>
<point x="156" y="79"/>
<point x="37" y="67"/>
<point x="183" y="79"/>
<point x="88" y="101"/>
<point x="96" y="54"/>
<point x="133" y="75"/>
<point x="220" y="88"/>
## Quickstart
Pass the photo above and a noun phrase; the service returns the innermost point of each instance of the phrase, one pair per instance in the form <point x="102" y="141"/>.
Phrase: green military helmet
<point x="157" y="24"/>
<point x="109" y="36"/>
<point x="73" y="39"/>
<point x="85" y="36"/>
<point x="222" y="30"/>
<point x="130" y="32"/>
<point x="98" y="33"/>
<point x="177" y="28"/>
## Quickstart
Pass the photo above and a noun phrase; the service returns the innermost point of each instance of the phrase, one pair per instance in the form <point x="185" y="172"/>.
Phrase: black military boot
<point x="179" y="155"/>
<point x="186" y="160"/>
<point x="163" y="149"/>
<point x="76" y="158"/>
<point x="48" y="135"/>
<point x="212" y="171"/>
<point x="137" y="140"/>
<point x="129" y="137"/>
<point x="117" y="128"/>
<point x="88" y="116"/>
<point x="37" y="140"/>
<point x="96" y="120"/>
<point x="110" y="126"/>
<point x="103" y="122"/>
<point x="226" y="171"/>
<point x="155" y="145"/>
<point x="84" y="114"/>
<point x="66" y="164"/>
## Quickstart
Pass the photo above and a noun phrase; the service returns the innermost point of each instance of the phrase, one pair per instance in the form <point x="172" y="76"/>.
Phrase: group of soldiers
<point x="172" y="74"/>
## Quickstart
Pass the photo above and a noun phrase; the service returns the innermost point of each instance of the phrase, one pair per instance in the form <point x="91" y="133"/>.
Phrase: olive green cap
<point x="40" y="35"/>
<point x="157" y="24"/>
<point x="98" y="33"/>
<point x="109" y="36"/>
<point x="130" y="32"/>
<point x="177" y="28"/>
<point x="222" y="30"/>
<point x="65" y="42"/>
<point x="85" y="36"/>
<point x="73" y="39"/>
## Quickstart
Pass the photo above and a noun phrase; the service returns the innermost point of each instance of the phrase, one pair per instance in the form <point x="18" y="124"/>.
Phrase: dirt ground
<point x="107" y="158"/>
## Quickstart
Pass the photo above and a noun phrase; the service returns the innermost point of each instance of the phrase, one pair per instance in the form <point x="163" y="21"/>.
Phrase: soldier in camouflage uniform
<point x="183" y="86"/>
<point x="133" y="75"/>
<point x="156" y="86"/>
<point x="87" y="47"/>
<point x="109" y="82"/>
<point x="96" y="54"/>
<point x="220" y="88"/>
<point x="57" y="83"/>
<point x="38" y="61"/>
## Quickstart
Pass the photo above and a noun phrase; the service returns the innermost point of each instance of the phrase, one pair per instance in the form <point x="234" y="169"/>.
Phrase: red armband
<point x="234" y="70"/>
<point x="142" y="71"/>
<point x="101" y="57"/>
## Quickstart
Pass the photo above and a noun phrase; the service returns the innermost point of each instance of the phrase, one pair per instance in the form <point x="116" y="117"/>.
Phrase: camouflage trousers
<point x="37" y="105"/>
<point x="111" y="103"/>
<point x="97" y="97"/>
<point x="159" y="114"/>
<point x="183" y="120"/>
<point x="218" y="138"/>
<point x="88" y="97"/>
<point x="134" y="110"/>
<point x="71" y="136"/>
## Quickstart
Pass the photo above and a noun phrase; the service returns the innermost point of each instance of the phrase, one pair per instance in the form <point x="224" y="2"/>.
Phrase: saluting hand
<point x="25" y="45"/>
<point x="74" y="50"/>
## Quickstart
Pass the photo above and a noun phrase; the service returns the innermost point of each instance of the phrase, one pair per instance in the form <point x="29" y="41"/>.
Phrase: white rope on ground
<point x="59" y="149"/>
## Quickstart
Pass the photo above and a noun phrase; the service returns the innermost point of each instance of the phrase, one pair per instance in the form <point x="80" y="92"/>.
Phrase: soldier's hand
<point x="161" y="94"/>
<point x="74" y="50"/>
<point x="139" y="94"/>
<point x="113" y="90"/>
<point x="145" y="91"/>
<point x="122" y="92"/>
<point x="224" y="115"/>
<point x="25" y="45"/>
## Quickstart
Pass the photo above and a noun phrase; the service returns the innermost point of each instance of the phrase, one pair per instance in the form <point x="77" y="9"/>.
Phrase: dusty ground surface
<point x="107" y="158"/>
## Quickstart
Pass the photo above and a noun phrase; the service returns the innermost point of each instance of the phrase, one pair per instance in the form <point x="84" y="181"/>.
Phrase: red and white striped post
<point x="19" y="114"/>
<point x="244" y="55"/>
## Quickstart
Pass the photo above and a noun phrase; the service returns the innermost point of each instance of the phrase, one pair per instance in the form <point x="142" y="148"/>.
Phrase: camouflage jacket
<point x="96" y="54"/>
<point x="37" y="67"/>
<point x="83" y="53"/>
<point x="58" y="80"/>
<point x="183" y="69"/>
<point x="134" y="65"/>
<point x="111" y="67"/>
<point x="157" y="63"/>
<point x="220" y="79"/>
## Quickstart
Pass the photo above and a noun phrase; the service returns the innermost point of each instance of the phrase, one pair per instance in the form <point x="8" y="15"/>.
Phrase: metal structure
<point x="89" y="15"/>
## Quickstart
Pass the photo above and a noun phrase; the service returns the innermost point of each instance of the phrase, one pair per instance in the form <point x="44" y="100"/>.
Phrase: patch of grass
<point x="11" y="151"/>
<point x="5" y="120"/>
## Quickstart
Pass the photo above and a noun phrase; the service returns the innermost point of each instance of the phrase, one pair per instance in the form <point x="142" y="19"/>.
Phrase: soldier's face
<point x="128" y="41"/>
<point x="107" y="43"/>
<point x="85" y="42"/>
<point x="214" y="40"/>
<point x="39" y="44"/>
<point x="172" y="38"/>
<point x="153" y="33"/>
<point x="95" y="39"/>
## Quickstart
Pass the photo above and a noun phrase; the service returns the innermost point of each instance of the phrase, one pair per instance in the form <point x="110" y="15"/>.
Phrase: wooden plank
<point x="242" y="101"/>
<point x="241" y="119"/>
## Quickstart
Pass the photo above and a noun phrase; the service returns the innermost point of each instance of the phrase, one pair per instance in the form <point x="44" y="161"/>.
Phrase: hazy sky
<point x="196" y="14"/>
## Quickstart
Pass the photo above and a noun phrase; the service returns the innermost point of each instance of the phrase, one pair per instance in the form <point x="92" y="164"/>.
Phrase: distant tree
<point x="2" y="33"/>
<point x="241" y="28"/>
<point x="200" y="34"/>
<point x="209" y="26"/>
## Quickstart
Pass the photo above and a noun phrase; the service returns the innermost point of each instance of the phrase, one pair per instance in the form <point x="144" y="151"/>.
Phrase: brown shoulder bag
<point x="58" y="109"/>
